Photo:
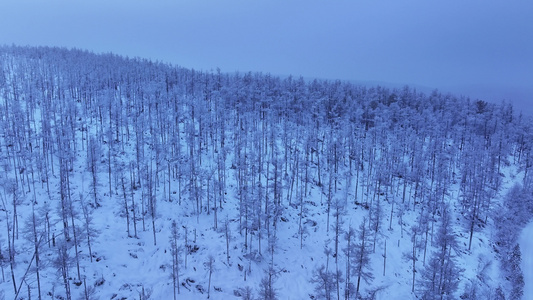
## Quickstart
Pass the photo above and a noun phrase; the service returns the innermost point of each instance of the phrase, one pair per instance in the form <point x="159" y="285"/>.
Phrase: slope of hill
<point x="526" y="241"/>
<point x="128" y="179"/>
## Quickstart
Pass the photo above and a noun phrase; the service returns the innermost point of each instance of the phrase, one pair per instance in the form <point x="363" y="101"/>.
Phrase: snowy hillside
<point x="129" y="179"/>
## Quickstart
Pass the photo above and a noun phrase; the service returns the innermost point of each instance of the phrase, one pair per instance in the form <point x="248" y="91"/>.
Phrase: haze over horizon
<point x="478" y="49"/>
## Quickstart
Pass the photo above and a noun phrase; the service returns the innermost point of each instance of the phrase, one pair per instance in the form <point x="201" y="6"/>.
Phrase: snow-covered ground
<point x="526" y="246"/>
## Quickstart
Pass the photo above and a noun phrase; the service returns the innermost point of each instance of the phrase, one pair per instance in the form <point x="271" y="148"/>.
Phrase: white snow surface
<point x="128" y="264"/>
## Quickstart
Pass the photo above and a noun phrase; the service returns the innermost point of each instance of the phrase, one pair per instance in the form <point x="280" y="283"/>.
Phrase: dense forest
<point x="126" y="178"/>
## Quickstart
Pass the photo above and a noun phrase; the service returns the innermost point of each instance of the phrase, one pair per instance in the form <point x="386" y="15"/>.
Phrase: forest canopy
<point x="88" y="142"/>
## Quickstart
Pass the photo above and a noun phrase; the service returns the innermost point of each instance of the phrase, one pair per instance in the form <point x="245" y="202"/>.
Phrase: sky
<point x="483" y="49"/>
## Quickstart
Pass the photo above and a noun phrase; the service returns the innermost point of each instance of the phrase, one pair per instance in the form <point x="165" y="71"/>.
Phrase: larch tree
<point x="360" y="257"/>
<point x="440" y="278"/>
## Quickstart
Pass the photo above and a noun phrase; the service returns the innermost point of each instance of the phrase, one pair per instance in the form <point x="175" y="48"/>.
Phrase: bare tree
<point x="360" y="264"/>
<point x="324" y="282"/>
<point x="90" y="231"/>
<point x="210" y="265"/>
<point x="175" y="249"/>
<point x="440" y="278"/>
<point x="266" y="287"/>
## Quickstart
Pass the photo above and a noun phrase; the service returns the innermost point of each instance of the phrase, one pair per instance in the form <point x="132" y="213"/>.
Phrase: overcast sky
<point x="481" y="48"/>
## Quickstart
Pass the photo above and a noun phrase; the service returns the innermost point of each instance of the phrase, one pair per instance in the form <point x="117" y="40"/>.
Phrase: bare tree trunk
<point x="384" y="258"/>
<point x="227" y="233"/>
<point x="75" y="240"/>
<point x="133" y="207"/>
<point x="126" y="211"/>
<point x="36" y="245"/>
<point x="64" y="270"/>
